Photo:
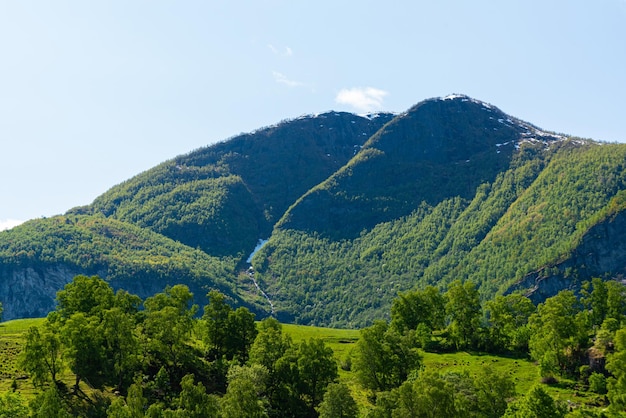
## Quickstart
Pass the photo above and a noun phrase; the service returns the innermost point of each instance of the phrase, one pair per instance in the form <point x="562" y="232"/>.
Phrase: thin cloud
<point x="286" y="52"/>
<point x="9" y="223"/>
<point x="281" y="78"/>
<point x="363" y="99"/>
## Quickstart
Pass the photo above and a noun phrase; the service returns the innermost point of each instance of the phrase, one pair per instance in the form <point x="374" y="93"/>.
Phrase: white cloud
<point x="280" y="78"/>
<point x="286" y="52"/>
<point x="9" y="223"/>
<point x="363" y="99"/>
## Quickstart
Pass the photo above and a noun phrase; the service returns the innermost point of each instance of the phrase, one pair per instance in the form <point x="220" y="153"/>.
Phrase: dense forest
<point x="534" y="215"/>
<point x="162" y="357"/>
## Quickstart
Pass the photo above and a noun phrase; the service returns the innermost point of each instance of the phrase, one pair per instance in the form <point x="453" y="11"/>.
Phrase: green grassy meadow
<point x="522" y="371"/>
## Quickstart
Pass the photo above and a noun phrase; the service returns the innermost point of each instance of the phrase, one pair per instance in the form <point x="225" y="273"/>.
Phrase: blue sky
<point x="94" y="92"/>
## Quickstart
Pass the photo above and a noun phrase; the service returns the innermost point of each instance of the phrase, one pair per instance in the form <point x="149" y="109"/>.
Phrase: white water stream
<point x="250" y="272"/>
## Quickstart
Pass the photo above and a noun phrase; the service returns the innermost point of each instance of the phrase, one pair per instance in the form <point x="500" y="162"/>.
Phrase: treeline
<point x="106" y="354"/>
<point x="580" y="337"/>
<point x="159" y="358"/>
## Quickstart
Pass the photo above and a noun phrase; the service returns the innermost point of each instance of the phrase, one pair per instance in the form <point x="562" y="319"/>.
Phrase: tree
<point x="12" y="406"/>
<point x="41" y="356"/>
<point x="215" y="320"/>
<point x="169" y="321"/>
<point x="536" y="404"/>
<point x="269" y="345"/>
<point x="241" y="334"/>
<point x="227" y="333"/>
<point x="274" y="351"/>
<point x="89" y="295"/>
<point x="596" y="300"/>
<point x="428" y="396"/>
<point x="463" y="308"/>
<point x="84" y="349"/>
<point x="411" y="309"/>
<point x="616" y="364"/>
<point x="49" y="404"/>
<point x="194" y="400"/>
<point x="508" y="322"/>
<point x="242" y="398"/>
<point x="493" y="390"/>
<point x="616" y="300"/>
<point x="338" y="403"/>
<point x="135" y="404"/>
<point x="121" y="346"/>
<point x="316" y="369"/>
<point x="384" y="358"/>
<point x="558" y="334"/>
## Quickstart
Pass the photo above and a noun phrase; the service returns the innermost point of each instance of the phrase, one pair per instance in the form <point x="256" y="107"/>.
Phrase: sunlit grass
<point x="523" y="372"/>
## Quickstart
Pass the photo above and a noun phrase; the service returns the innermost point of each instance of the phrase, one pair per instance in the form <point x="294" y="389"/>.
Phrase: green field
<point x="522" y="371"/>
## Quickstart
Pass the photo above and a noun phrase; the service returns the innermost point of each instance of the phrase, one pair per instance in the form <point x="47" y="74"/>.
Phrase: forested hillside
<point x="355" y="210"/>
<point x="223" y="198"/>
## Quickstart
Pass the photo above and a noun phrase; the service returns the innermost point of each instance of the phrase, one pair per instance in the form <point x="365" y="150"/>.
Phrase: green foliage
<point x="41" y="356"/>
<point x="464" y="310"/>
<point x="450" y="394"/>
<point x="87" y="295"/>
<point x="227" y="333"/>
<point x="462" y="384"/>
<point x="559" y="337"/>
<point x="508" y="322"/>
<point x="412" y="309"/>
<point x="384" y="358"/>
<point x="49" y="404"/>
<point x="243" y="398"/>
<point x="194" y="402"/>
<point x="167" y="330"/>
<point x="338" y="403"/>
<point x="12" y="405"/>
<point x="136" y="259"/>
<point x="134" y="405"/>
<point x="224" y="197"/>
<point x="617" y="365"/>
<point x="526" y="221"/>
<point x="597" y="383"/>
<point x="84" y="349"/>
<point x="536" y="404"/>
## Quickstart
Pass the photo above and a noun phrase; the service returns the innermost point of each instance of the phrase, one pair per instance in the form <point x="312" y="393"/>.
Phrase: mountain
<point x="189" y="220"/>
<point x="355" y="210"/>
<point x="436" y="150"/>
<point x="223" y="198"/>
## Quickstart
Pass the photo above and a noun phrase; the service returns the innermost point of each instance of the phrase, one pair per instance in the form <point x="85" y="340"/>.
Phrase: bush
<point x="597" y="383"/>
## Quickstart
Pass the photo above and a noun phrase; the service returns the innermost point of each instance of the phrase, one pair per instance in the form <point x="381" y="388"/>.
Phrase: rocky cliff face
<point x="601" y="253"/>
<point x="29" y="292"/>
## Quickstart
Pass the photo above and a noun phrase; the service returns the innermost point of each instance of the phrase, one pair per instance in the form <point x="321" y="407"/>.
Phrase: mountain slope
<point x="225" y="197"/>
<point x="439" y="149"/>
<point x="356" y="209"/>
<point x="527" y="230"/>
<point x="38" y="258"/>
